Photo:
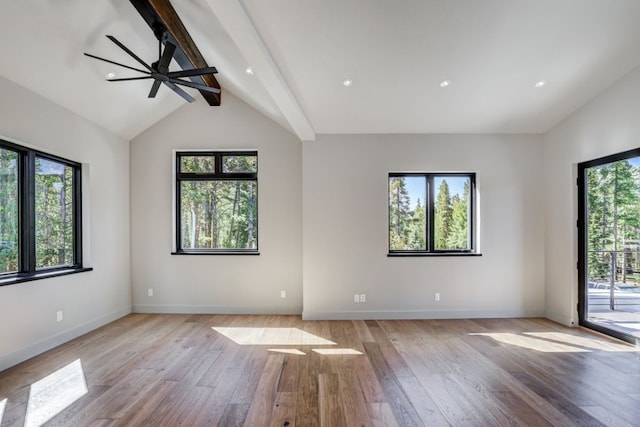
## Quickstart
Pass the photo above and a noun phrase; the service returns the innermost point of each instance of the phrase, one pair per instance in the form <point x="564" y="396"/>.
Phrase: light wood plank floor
<point x="228" y="370"/>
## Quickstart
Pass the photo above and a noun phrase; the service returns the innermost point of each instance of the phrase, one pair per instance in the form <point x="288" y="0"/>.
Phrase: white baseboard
<point x="562" y="319"/>
<point x="12" y="359"/>
<point x="209" y="309"/>
<point x="417" y="314"/>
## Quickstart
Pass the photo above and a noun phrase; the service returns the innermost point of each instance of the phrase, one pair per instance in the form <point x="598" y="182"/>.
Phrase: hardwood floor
<point x="207" y="370"/>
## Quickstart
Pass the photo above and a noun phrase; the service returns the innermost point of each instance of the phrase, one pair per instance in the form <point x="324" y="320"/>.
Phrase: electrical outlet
<point x="436" y="296"/>
<point x="356" y="297"/>
<point x="59" y="316"/>
<point x="283" y="294"/>
<point x="363" y="297"/>
<point x="150" y="292"/>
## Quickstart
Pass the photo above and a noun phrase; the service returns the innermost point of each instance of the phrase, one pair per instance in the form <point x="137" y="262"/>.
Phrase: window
<point x="609" y="244"/>
<point x="40" y="218"/>
<point x="9" y="212"/>
<point x="431" y="213"/>
<point x="216" y="202"/>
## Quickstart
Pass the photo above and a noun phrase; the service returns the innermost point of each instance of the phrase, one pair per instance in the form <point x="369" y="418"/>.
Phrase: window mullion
<point x="430" y="214"/>
<point x="28" y="214"/>
<point x="218" y="164"/>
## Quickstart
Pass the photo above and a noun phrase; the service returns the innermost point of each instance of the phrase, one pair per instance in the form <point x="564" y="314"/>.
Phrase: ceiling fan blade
<point x="116" y="63"/>
<point x="167" y="55"/>
<point x="195" y="72"/>
<point x="126" y="49"/>
<point x="124" y="79"/>
<point x="180" y="92"/>
<point x="154" y="89"/>
<point x="195" y="85"/>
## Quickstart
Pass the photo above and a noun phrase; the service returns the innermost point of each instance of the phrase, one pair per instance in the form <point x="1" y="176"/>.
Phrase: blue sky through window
<point x="635" y="161"/>
<point x="416" y="187"/>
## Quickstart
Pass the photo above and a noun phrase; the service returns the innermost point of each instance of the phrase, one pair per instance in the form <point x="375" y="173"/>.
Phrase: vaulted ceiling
<point x="395" y="53"/>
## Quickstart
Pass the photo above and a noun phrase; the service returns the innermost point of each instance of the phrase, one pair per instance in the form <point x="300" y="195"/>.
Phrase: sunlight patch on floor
<point x="337" y="351"/>
<point x="288" y="351"/>
<point x="3" y="403"/>
<point x="271" y="336"/>
<point x="583" y="342"/>
<point x="52" y="394"/>
<point x="530" y="343"/>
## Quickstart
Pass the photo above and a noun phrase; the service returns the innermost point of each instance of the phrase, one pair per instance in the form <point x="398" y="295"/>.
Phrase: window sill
<point x="432" y="254"/>
<point x="20" y="278"/>
<point x="231" y="252"/>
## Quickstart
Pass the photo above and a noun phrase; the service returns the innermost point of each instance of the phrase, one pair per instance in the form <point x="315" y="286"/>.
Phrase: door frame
<point x="582" y="243"/>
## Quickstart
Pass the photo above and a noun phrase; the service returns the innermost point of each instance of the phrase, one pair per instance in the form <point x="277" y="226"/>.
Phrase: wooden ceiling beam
<point x="165" y="22"/>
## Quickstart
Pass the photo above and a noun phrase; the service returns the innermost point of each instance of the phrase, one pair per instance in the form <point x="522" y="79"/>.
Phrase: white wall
<point x="217" y="283"/>
<point x="529" y="252"/>
<point x="345" y="228"/>
<point x="91" y="299"/>
<point x="608" y="124"/>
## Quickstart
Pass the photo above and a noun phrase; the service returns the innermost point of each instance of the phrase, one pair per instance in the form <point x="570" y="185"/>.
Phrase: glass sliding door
<point x="609" y="245"/>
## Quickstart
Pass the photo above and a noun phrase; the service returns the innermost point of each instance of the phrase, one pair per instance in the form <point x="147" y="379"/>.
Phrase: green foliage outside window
<point x="40" y="225"/>
<point x="613" y="218"/>
<point x="218" y="209"/>
<point x="198" y="164"/>
<point x="452" y="215"/>
<point x="54" y="213"/>
<point x="9" y="219"/>
<point x="219" y="215"/>
<point x="412" y="208"/>
<point x="401" y="225"/>
<point x="234" y="164"/>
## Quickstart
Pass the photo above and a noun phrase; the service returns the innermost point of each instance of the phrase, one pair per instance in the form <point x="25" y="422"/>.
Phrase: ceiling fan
<point x="159" y="71"/>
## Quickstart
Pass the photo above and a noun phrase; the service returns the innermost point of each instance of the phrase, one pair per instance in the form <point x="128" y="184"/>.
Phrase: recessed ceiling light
<point x="111" y="74"/>
<point x="445" y="83"/>
<point x="249" y="71"/>
<point x="347" y="82"/>
<point x="540" y="83"/>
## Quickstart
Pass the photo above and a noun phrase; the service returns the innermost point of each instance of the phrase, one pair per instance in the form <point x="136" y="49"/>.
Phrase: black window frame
<point x="217" y="175"/>
<point x="429" y="216"/>
<point x="27" y="270"/>
<point x="583" y="246"/>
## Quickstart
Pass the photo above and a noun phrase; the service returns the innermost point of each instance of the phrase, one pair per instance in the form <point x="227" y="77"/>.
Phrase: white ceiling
<point x="396" y="52"/>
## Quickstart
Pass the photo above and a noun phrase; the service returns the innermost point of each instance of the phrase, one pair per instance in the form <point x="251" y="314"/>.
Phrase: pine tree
<point x="9" y="228"/>
<point x="443" y="214"/>
<point x="418" y="223"/>
<point x="613" y="215"/>
<point x="399" y="214"/>
<point x="458" y="237"/>
<point x="598" y="212"/>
